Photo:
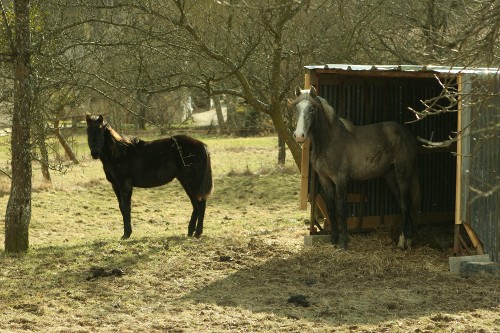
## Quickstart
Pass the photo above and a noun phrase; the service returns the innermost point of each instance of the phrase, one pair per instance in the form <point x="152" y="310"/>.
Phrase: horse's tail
<point x="207" y="184"/>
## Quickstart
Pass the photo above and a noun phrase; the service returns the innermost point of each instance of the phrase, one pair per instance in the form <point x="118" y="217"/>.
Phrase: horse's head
<point x="95" y="134"/>
<point x="305" y="104"/>
<point x="309" y="107"/>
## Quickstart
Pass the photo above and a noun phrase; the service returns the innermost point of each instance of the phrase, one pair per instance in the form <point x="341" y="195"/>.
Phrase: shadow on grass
<point x="77" y="263"/>
<point x="370" y="284"/>
<point x="349" y="288"/>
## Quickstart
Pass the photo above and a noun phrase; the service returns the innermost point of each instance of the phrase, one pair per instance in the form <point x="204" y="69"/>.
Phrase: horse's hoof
<point x="401" y="243"/>
<point x="190" y="234"/>
<point x="404" y="243"/>
<point x="344" y="240"/>
<point x="197" y="235"/>
<point x="126" y="236"/>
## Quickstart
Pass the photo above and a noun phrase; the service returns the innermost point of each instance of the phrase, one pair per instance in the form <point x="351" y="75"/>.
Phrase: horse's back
<point x="158" y="162"/>
<point x="389" y="131"/>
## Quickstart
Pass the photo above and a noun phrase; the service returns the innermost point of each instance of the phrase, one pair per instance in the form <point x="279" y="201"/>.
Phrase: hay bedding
<point x="371" y="287"/>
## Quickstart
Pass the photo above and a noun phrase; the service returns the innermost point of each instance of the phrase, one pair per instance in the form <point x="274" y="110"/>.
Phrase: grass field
<point x="249" y="272"/>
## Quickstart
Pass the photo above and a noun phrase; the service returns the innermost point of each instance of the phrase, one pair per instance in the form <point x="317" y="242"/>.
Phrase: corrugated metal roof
<point x="407" y="68"/>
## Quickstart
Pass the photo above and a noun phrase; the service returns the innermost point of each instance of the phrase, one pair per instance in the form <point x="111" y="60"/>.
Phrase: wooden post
<point x="304" y="165"/>
<point x="304" y="174"/>
<point x="458" y="182"/>
<point x="313" y="203"/>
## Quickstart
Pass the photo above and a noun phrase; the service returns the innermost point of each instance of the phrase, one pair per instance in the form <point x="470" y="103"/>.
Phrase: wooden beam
<point x="474" y="238"/>
<point x="458" y="177"/>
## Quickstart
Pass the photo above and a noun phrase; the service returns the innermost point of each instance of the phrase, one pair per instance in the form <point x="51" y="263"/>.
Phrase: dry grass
<point x="238" y="277"/>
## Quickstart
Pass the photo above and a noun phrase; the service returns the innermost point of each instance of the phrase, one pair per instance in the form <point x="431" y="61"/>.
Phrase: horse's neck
<point x="326" y="128"/>
<point x="326" y="134"/>
<point x="110" y="142"/>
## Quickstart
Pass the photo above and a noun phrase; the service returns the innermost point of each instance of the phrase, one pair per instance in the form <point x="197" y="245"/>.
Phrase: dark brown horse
<point x="134" y="162"/>
<point x="341" y="152"/>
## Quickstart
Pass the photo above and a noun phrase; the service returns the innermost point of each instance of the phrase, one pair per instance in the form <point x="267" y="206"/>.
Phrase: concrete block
<point x="310" y="240"/>
<point x="471" y="268"/>
<point x="455" y="262"/>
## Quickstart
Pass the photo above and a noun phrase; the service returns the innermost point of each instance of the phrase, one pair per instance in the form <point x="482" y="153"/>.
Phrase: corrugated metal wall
<point x="365" y="100"/>
<point x="484" y="162"/>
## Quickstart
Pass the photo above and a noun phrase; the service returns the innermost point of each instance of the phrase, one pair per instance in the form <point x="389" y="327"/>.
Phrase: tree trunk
<point x="39" y="134"/>
<point x="286" y="136"/>
<point x="231" y="114"/>
<point x="281" y="151"/>
<point x="64" y="143"/>
<point x="218" y="111"/>
<point x="44" y="160"/>
<point x="142" y="97"/>
<point x="18" y="213"/>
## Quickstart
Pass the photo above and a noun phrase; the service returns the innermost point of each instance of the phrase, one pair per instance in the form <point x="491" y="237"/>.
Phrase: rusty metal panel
<point x="483" y="190"/>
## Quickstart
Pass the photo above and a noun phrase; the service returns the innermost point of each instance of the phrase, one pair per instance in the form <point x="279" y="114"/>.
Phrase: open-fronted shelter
<point x="459" y="180"/>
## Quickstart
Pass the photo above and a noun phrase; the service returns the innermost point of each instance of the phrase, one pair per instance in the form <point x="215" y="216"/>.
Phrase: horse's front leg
<point x="123" y="192"/>
<point x="341" y="211"/>
<point x="328" y="192"/>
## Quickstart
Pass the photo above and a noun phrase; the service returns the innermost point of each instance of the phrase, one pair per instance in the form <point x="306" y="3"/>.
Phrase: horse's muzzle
<point x="299" y="138"/>
<point x="95" y="155"/>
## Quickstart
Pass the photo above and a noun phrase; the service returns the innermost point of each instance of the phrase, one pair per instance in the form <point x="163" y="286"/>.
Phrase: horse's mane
<point x="329" y="110"/>
<point x="331" y="114"/>
<point x="120" y="143"/>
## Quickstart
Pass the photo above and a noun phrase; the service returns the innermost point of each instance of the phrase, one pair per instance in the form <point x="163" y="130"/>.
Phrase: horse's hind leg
<point x="392" y="183"/>
<point x="405" y="239"/>
<point x="399" y="187"/>
<point x="194" y="217"/>
<point x="196" y="222"/>
<point x="202" y="204"/>
<point x="192" y="221"/>
<point x="198" y="215"/>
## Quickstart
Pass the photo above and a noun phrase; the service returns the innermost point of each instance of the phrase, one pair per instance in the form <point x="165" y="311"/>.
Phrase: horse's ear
<point x="312" y="92"/>
<point x="88" y="118"/>
<point x="100" y="119"/>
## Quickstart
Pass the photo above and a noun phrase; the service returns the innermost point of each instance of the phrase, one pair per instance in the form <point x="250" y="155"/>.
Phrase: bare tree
<point x="18" y="214"/>
<point x="438" y="32"/>
<point x="239" y="49"/>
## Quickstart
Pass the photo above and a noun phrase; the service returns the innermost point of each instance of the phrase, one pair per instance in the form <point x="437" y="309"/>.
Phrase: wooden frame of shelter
<point x="451" y="173"/>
